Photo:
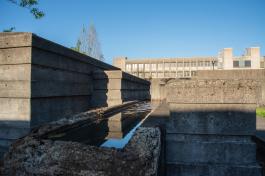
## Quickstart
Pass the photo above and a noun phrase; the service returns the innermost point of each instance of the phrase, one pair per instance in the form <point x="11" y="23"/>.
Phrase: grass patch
<point x="260" y="112"/>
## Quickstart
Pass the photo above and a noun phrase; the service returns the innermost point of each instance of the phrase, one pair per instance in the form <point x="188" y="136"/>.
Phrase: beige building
<point x="187" y="67"/>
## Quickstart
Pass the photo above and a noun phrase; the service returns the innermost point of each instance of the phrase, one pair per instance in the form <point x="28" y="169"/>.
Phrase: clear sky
<point x="147" y="28"/>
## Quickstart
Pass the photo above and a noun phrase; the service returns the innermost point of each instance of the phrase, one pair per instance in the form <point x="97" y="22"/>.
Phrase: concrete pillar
<point x="254" y="54"/>
<point x="120" y="62"/>
<point x="227" y="57"/>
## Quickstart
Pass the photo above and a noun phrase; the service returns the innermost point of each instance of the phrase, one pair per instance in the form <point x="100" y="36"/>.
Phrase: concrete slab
<point x="227" y="119"/>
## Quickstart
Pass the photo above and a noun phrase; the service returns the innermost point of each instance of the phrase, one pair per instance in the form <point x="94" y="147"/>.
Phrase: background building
<point x="187" y="67"/>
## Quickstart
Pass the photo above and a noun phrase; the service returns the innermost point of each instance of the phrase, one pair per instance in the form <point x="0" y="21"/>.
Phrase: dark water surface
<point x="113" y="131"/>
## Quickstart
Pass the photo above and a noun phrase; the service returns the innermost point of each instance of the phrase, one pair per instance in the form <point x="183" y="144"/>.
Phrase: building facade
<point x="187" y="67"/>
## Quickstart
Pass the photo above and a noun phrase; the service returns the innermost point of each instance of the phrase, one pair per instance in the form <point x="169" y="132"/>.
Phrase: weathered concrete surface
<point x="158" y="90"/>
<point x="202" y="169"/>
<point x="210" y="127"/>
<point x="225" y="119"/>
<point x="115" y="87"/>
<point x="213" y="91"/>
<point x="42" y="81"/>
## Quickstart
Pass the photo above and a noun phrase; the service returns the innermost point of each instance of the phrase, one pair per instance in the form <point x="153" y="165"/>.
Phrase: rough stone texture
<point x="30" y="156"/>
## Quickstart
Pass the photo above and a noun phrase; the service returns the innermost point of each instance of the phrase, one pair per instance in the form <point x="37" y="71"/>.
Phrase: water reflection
<point x="114" y="131"/>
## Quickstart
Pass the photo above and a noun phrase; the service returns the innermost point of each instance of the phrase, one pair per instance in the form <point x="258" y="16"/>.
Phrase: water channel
<point x="110" y="131"/>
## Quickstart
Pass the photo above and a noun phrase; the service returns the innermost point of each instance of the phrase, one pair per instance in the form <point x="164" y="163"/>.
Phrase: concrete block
<point x="14" y="109"/>
<point x="205" y="169"/>
<point x="58" y="88"/>
<point x="42" y="73"/>
<point x="14" y="89"/>
<point x="210" y="149"/>
<point x="15" y="56"/>
<point x="55" y="60"/>
<point x="20" y="72"/>
<point x="49" y="109"/>
<point x="12" y="133"/>
<point x="226" y="119"/>
<point x="214" y="91"/>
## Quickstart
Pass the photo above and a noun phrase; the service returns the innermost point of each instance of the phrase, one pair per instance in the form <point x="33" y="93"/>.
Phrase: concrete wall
<point x="115" y="87"/>
<point x="159" y="92"/>
<point x="41" y="81"/>
<point x="210" y="126"/>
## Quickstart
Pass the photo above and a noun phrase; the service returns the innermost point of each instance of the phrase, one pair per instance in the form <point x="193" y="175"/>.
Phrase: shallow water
<point x="113" y="131"/>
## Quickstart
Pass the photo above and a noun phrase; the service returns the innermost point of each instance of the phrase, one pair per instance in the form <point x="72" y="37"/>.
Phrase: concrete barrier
<point x="115" y="87"/>
<point x="210" y="127"/>
<point x="41" y="81"/>
<point x="159" y="91"/>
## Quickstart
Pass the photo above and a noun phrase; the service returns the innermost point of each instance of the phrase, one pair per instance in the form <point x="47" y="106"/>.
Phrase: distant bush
<point x="260" y="112"/>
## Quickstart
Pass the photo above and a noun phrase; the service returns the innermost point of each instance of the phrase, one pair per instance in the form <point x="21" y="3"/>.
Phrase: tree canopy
<point x="88" y="43"/>
<point x="29" y="4"/>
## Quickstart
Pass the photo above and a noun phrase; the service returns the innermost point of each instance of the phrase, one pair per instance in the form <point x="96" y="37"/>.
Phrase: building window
<point x="172" y="74"/>
<point x="186" y="74"/>
<point x="147" y="75"/>
<point x="180" y="64"/>
<point x="128" y="67"/>
<point x="167" y="66"/>
<point x="134" y="67"/>
<point x="173" y="66"/>
<point x="141" y="67"/>
<point x="200" y="64"/>
<point x="160" y="67"/>
<point x="147" y="67"/>
<point x="235" y="64"/>
<point x="180" y="74"/>
<point x="247" y="63"/>
<point x="186" y="64"/>
<point x="207" y="64"/>
<point x="261" y="64"/>
<point x="153" y="67"/>
<point x="154" y="75"/>
<point x="193" y="64"/>
<point x="160" y="75"/>
<point x="193" y="73"/>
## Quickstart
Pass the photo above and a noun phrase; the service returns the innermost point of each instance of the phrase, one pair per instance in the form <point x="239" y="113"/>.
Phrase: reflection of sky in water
<point x="120" y="143"/>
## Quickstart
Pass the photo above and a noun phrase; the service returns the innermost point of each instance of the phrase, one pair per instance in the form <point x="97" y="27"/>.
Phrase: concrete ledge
<point x="214" y="91"/>
<point x="204" y="169"/>
<point x="210" y="149"/>
<point x="24" y="39"/>
<point x="226" y="119"/>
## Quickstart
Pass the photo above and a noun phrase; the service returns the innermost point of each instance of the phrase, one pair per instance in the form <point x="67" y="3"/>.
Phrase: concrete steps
<point x="209" y="169"/>
<point x="210" y="149"/>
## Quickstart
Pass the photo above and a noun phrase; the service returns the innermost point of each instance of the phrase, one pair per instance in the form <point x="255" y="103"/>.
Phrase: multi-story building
<point x="187" y="67"/>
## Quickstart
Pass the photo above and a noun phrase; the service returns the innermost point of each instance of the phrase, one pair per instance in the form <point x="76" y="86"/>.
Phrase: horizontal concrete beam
<point x="17" y="40"/>
<point x="214" y="91"/>
<point x="226" y="119"/>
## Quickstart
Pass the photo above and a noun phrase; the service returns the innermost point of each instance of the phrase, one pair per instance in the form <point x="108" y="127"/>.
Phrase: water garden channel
<point x="110" y="131"/>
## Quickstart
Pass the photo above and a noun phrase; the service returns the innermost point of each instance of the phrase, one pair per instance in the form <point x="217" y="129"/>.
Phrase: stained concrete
<point x="210" y="126"/>
<point x="42" y="81"/>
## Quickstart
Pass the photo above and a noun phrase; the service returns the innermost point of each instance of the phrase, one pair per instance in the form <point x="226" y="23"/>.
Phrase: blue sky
<point x="147" y="28"/>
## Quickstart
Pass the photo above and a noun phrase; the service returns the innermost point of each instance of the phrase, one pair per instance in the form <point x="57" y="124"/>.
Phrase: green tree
<point x="31" y="5"/>
<point x="28" y="4"/>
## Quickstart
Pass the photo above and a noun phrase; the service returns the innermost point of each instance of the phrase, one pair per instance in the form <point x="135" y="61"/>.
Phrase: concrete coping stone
<point x="26" y="39"/>
<point x="118" y="74"/>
